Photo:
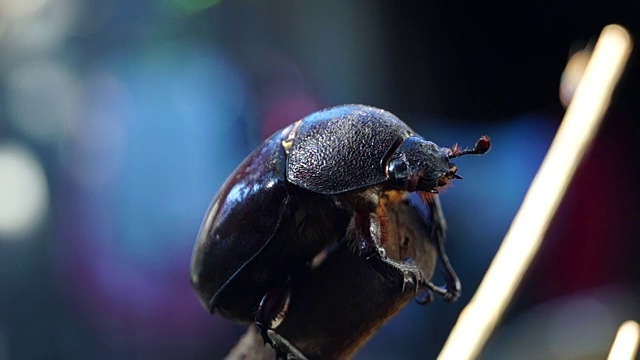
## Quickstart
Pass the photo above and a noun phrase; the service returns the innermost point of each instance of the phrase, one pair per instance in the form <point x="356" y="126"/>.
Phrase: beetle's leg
<point x="284" y="349"/>
<point x="427" y="295"/>
<point x="272" y="311"/>
<point x="438" y="231"/>
<point x="368" y="233"/>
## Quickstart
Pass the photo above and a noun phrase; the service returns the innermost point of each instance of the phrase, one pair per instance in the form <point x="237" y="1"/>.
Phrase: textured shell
<point x="342" y="148"/>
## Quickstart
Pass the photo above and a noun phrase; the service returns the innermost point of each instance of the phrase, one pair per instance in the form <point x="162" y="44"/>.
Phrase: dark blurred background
<point x="120" y="120"/>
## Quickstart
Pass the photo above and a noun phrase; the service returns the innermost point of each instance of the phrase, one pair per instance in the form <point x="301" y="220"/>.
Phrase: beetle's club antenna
<point x="482" y="146"/>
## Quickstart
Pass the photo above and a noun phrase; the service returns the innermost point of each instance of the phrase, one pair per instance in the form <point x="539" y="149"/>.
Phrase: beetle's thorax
<point x="341" y="149"/>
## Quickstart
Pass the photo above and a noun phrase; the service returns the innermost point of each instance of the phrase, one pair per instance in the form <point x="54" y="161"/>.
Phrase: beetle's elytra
<point x="296" y="194"/>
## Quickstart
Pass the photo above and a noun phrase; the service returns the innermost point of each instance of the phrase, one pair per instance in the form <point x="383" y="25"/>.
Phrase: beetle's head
<point x="420" y="165"/>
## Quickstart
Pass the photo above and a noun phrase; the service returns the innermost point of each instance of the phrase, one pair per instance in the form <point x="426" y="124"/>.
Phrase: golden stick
<point x="580" y="124"/>
<point x="626" y="343"/>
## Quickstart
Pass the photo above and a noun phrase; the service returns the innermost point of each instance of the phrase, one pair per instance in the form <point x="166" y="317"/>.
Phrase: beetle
<point x="297" y="193"/>
<point x="337" y="330"/>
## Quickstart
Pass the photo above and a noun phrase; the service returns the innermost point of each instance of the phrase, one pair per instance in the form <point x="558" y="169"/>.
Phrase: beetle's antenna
<point x="482" y="146"/>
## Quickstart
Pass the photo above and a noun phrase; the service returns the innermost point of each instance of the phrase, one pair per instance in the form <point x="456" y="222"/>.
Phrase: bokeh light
<point x="578" y="326"/>
<point x="18" y="9"/>
<point x="36" y="25"/>
<point x="144" y="130"/>
<point x="99" y="142"/>
<point x="23" y="190"/>
<point x="52" y="86"/>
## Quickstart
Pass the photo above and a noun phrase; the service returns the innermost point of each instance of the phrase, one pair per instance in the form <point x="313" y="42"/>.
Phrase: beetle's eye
<point x="398" y="169"/>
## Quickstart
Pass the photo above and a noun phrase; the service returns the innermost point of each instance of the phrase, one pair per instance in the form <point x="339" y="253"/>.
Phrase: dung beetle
<point x="335" y="323"/>
<point x="298" y="192"/>
<point x="321" y="324"/>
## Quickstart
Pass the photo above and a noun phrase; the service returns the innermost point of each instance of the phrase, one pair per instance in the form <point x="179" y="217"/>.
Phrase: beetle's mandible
<point x="299" y="191"/>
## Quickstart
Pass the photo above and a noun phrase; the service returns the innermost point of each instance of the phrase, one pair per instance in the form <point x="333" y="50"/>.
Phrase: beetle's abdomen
<point x="242" y="219"/>
<point x="342" y="148"/>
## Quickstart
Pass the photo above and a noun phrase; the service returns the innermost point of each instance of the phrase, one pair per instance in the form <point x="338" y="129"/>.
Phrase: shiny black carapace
<point x="299" y="191"/>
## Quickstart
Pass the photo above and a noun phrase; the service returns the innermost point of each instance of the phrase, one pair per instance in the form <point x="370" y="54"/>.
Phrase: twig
<point x="580" y="124"/>
<point x="625" y="345"/>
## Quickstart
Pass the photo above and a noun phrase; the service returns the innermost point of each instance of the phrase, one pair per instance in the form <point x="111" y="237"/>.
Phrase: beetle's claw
<point x="445" y="292"/>
<point x="451" y="295"/>
<point x="408" y="278"/>
<point x="285" y="349"/>
<point x="263" y="333"/>
<point x="413" y="276"/>
<point x="390" y="268"/>
<point x="280" y="354"/>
